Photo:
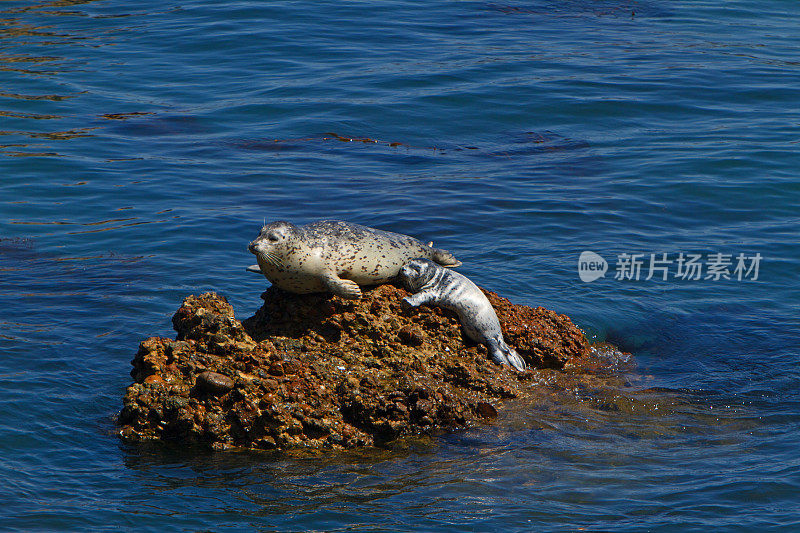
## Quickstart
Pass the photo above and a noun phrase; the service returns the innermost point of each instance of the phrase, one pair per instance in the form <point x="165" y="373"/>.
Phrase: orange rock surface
<point x="317" y="371"/>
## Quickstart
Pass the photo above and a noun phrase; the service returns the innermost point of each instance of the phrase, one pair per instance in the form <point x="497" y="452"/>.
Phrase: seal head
<point x="271" y="243"/>
<point x="432" y="284"/>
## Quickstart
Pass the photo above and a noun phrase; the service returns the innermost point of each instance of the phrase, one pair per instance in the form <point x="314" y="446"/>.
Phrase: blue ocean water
<point x="143" y="144"/>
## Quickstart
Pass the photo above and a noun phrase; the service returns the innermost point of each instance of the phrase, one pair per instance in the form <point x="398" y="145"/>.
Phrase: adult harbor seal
<point x="335" y="256"/>
<point x="432" y="284"/>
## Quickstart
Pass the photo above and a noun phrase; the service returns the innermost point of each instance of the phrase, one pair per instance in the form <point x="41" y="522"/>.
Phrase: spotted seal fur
<point x="432" y="284"/>
<point x="335" y="256"/>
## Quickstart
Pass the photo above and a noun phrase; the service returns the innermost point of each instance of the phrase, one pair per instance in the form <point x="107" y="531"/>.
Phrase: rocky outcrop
<point x="317" y="371"/>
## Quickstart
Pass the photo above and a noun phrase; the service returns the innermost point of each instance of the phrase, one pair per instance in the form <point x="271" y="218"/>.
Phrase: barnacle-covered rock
<point x="317" y="371"/>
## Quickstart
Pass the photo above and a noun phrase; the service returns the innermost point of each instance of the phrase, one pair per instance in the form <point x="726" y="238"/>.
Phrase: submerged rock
<point x="317" y="371"/>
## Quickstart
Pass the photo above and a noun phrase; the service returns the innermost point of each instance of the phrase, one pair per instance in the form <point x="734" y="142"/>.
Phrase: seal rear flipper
<point x="503" y="354"/>
<point x="514" y="359"/>
<point x="342" y="287"/>
<point x="445" y="258"/>
<point x="254" y="268"/>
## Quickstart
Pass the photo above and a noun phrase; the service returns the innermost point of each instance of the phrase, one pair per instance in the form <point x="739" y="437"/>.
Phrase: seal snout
<point x="252" y="247"/>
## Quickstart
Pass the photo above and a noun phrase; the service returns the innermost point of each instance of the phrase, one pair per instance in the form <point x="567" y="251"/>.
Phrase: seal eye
<point x="273" y="237"/>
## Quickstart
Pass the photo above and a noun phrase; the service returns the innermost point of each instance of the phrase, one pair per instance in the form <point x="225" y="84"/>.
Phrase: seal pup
<point x="335" y="256"/>
<point x="432" y="284"/>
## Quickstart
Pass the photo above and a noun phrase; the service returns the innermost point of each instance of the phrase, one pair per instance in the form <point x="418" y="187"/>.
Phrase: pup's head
<point x="417" y="272"/>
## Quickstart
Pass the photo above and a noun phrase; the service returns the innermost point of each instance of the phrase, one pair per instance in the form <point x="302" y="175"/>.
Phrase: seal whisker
<point x="275" y="260"/>
<point x="270" y="258"/>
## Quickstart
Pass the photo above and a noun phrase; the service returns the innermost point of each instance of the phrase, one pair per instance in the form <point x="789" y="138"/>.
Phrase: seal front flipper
<point x="503" y="354"/>
<point x="254" y="268"/>
<point x="417" y="299"/>
<point x="341" y="287"/>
